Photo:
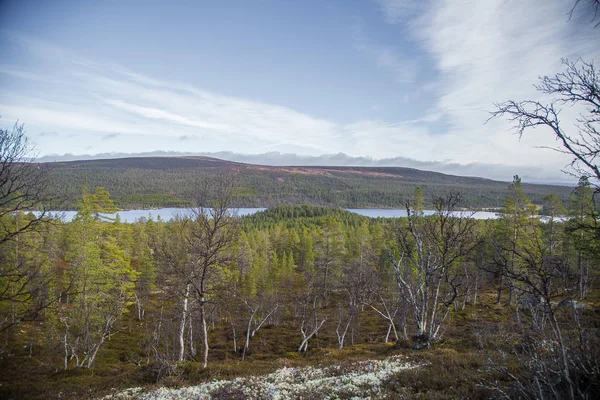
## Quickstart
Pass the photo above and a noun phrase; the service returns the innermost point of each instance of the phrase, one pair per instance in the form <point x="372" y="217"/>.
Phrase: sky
<point x="409" y="81"/>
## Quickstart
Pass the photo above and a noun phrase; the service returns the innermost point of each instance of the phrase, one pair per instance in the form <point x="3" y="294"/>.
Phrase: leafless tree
<point x="171" y="254"/>
<point x="23" y="185"/>
<point x="562" y="359"/>
<point x="578" y="85"/>
<point x="311" y="323"/>
<point x="387" y="309"/>
<point x="209" y="235"/>
<point x="592" y="5"/>
<point x="355" y="283"/>
<point x="260" y="312"/>
<point x="195" y="254"/>
<point x="426" y="262"/>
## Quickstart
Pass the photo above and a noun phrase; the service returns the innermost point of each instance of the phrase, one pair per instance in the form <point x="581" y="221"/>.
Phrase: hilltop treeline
<point x="163" y="301"/>
<point x="175" y="182"/>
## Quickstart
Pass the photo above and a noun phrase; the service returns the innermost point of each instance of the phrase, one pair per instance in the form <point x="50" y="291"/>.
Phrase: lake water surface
<point x="167" y="214"/>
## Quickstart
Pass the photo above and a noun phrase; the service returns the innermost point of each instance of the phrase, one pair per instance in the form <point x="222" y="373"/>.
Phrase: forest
<point x="504" y="308"/>
<point x="304" y="300"/>
<point x="151" y="182"/>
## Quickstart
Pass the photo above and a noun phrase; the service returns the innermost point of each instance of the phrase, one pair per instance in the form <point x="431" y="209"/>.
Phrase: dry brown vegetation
<point x="457" y="366"/>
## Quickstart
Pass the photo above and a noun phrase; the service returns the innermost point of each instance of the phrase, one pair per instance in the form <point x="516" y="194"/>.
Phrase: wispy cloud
<point x="160" y="114"/>
<point x="482" y="52"/>
<point x="487" y="52"/>
<point x="131" y="103"/>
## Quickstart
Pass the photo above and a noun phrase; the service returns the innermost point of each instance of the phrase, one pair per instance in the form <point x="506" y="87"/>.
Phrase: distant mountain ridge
<point x="142" y="182"/>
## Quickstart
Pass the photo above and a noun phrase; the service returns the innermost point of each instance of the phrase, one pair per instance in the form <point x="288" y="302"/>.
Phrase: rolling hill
<point x="144" y="182"/>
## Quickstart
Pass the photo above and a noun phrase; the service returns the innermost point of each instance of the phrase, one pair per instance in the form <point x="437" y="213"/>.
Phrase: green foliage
<point x="26" y="271"/>
<point x="583" y="219"/>
<point x="100" y="277"/>
<point x="516" y="237"/>
<point x="418" y="200"/>
<point x="105" y="271"/>
<point x="294" y="217"/>
<point x="553" y="206"/>
<point x="151" y="200"/>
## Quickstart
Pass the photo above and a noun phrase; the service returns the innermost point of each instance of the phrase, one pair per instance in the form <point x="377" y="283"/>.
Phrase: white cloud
<point x="109" y="98"/>
<point x="483" y="52"/>
<point x="491" y="51"/>
<point x="155" y="113"/>
<point x="57" y="118"/>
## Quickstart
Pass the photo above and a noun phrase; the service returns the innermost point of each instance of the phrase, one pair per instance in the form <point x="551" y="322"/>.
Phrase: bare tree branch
<point x="578" y="85"/>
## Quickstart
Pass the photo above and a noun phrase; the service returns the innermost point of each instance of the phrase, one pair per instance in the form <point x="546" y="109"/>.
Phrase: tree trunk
<point x="304" y="345"/>
<point x="191" y="342"/>
<point x="563" y="352"/>
<point x="66" y="351"/>
<point x="140" y="308"/>
<point x="325" y="283"/>
<point x="249" y="328"/>
<point x="181" y="332"/>
<point x="341" y="336"/>
<point x="234" y="336"/>
<point x="204" y="332"/>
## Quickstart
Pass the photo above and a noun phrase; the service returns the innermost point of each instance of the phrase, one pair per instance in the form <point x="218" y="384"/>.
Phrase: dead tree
<point x="386" y="311"/>
<point x="258" y="316"/>
<point x="538" y="283"/>
<point x="577" y="86"/>
<point x="310" y="321"/>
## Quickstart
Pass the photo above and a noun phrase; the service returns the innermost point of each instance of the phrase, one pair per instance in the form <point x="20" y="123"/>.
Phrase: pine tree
<point x="104" y="277"/>
<point x="517" y="229"/>
<point x="582" y="229"/>
<point x="418" y="207"/>
<point x="329" y="255"/>
<point x="555" y="210"/>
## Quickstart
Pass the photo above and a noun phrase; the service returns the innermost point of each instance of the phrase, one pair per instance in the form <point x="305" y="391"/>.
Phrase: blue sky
<point x="381" y="79"/>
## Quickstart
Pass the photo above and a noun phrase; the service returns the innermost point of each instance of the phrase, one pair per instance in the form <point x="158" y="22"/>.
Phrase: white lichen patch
<point x="359" y="380"/>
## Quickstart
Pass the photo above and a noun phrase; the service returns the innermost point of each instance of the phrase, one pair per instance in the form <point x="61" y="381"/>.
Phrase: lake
<point x="166" y="214"/>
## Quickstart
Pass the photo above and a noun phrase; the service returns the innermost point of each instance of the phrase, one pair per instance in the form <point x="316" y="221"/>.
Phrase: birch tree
<point x="209" y="236"/>
<point x="425" y="259"/>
